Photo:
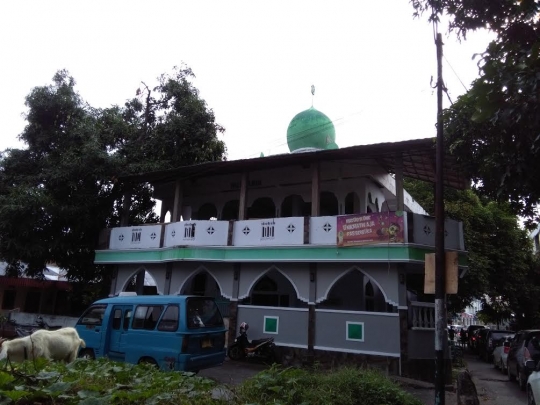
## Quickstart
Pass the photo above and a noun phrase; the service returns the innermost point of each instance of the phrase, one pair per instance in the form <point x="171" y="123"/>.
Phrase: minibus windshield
<point x="203" y="313"/>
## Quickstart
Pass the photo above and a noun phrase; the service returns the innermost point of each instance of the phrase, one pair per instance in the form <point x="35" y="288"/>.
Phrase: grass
<point x="105" y="382"/>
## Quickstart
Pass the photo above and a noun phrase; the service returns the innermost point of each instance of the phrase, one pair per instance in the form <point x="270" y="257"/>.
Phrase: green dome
<point x="311" y="129"/>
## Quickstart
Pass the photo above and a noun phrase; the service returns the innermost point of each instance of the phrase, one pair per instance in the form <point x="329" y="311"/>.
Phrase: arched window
<point x="370" y="297"/>
<point x="262" y="208"/>
<point x="207" y="211"/>
<point x="199" y="284"/>
<point x="230" y="210"/>
<point x="265" y="293"/>
<point x="294" y="206"/>
<point x="328" y="204"/>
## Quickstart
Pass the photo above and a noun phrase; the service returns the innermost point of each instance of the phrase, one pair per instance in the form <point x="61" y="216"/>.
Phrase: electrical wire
<point x="455" y="73"/>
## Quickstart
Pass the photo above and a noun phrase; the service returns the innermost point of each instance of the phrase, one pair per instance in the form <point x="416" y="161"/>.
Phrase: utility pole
<point x="440" y="288"/>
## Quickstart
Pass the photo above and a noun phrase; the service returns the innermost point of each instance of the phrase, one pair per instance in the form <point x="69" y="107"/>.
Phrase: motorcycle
<point x="242" y="348"/>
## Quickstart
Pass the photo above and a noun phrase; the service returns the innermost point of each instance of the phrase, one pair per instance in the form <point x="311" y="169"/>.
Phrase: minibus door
<point x="120" y="318"/>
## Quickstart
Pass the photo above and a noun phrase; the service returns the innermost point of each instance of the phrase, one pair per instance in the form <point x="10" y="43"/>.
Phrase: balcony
<point x="371" y="228"/>
<point x="423" y="315"/>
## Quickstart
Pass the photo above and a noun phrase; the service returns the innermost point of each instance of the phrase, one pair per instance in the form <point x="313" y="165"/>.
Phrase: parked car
<point x="533" y="382"/>
<point x="487" y="345"/>
<point x="500" y="354"/>
<point x="481" y="341"/>
<point x="524" y="347"/>
<point x="470" y="334"/>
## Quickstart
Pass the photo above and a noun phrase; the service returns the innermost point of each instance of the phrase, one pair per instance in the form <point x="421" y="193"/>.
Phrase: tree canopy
<point x="494" y="129"/>
<point x="58" y="193"/>
<point x="502" y="270"/>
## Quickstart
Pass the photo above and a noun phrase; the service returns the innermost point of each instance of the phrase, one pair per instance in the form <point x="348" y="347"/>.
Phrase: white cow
<point x="61" y="344"/>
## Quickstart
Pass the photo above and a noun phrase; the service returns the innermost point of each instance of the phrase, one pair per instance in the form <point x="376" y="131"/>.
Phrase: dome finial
<point x="312" y="94"/>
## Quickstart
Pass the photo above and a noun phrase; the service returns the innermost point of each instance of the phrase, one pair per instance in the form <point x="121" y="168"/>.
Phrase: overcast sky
<point x="371" y="62"/>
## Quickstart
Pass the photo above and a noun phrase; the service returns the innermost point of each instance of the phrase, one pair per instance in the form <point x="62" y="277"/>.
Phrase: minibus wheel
<point x="148" y="360"/>
<point x="87" y="354"/>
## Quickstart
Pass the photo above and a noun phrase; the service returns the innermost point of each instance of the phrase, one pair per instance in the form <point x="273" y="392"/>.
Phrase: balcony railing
<point x="423" y="315"/>
<point x="290" y="231"/>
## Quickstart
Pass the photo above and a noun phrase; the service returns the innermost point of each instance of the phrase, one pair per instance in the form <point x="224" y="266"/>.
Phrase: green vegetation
<point x="503" y="271"/>
<point x="106" y="382"/>
<point x="493" y="128"/>
<point x="62" y="189"/>
<point x="346" y="386"/>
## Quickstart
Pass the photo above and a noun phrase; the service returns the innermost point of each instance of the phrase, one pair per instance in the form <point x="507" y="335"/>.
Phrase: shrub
<point x="346" y="386"/>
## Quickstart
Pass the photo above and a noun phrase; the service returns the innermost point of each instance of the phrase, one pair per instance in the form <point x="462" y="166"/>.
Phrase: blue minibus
<point x="173" y="332"/>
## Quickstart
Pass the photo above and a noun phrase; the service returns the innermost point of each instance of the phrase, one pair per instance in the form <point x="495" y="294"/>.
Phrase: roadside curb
<point x="419" y="384"/>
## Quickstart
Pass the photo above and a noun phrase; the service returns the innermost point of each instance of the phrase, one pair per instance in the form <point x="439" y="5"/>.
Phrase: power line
<point x="455" y="73"/>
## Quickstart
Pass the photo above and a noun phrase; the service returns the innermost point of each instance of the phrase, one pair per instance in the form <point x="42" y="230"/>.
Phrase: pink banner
<point x="365" y="229"/>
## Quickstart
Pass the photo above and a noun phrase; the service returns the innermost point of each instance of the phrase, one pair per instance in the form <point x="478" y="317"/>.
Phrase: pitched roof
<point x="418" y="155"/>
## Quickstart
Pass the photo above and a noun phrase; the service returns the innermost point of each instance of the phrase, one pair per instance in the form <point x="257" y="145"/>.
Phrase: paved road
<point x="233" y="372"/>
<point x="493" y="387"/>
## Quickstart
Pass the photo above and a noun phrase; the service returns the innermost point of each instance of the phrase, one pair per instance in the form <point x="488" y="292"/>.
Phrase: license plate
<point x="206" y="343"/>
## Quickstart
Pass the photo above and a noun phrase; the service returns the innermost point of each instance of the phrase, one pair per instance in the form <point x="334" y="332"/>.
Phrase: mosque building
<point x="321" y="248"/>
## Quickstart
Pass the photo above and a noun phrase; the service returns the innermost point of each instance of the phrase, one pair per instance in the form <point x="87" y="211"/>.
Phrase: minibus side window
<point x="146" y="316"/>
<point x="93" y="315"/>
<point x="169" y="322"/>
<point x="117" y="319"/>
<point x="127" y="318"/>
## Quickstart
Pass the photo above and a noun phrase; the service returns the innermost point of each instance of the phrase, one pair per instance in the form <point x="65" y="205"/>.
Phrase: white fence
<point x="322" y="230"/>
<point x="269" y="232"/>
<point x="196" y="233"/>
<point x="136" y="237"/>
<point x="423" y="315"/>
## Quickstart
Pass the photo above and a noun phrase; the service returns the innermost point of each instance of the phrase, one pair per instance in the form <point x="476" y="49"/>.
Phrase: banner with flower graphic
<point x="371" y="228"/>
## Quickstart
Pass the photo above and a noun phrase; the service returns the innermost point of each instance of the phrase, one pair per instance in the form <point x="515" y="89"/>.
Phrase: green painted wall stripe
<point x="384" y="253"/>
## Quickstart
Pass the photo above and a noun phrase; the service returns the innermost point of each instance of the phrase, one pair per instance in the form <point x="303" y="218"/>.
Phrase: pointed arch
<point x="143" y="269"/>
<point x="194" y="273"/>
<point x="374" y="281"/>
<point x="260" y="276"/>
<point x="369" y="296"/>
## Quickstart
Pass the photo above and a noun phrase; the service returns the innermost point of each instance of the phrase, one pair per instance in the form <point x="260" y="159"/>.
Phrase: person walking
<point x="463" y="337"/>
<point x="451" y="333"/>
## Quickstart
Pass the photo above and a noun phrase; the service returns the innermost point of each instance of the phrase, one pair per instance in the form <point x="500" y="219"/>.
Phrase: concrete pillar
<point x="177" y="205"/>
<point x="242" y="203"/>
<point x="233" y="305"/>
<point x="315" y="190"/>
<point x="311" y="311"/>
<point x="399" y="183"/>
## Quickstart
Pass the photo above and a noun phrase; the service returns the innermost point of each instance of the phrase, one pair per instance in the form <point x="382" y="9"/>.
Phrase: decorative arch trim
<point x="143" y="269"/>
<point x="198" y="270"/>
<point x="273" y="267"/>
<point x="325" y="296"/>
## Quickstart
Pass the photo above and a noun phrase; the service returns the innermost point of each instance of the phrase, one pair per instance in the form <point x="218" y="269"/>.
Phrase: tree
<point x="494" y="128"/>
<point x="500" y="260"/>
<point x="54" y="195"/>
<point x="169" y="126"/>
<point x="62" y="190"/>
